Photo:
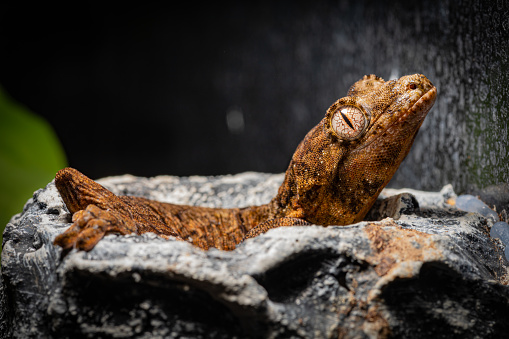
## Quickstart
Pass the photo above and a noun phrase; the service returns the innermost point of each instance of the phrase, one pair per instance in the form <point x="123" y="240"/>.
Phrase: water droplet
<point x="235" y="121"/>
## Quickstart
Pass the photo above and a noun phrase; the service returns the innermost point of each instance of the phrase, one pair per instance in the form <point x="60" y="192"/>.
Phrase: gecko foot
<point x="91" y="225"/>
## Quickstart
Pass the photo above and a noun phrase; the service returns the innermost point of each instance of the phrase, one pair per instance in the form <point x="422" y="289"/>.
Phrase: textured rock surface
<point x="426" y="269"/>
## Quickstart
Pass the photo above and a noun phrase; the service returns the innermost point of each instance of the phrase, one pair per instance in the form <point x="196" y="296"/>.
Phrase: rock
<point x="469" y="203"/>
<point x="500" y="230"/>
<point x="495" y="195"/>
<point x="425" y="269"/>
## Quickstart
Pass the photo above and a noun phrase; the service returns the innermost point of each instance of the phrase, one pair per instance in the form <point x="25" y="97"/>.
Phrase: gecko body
<point x="334" y="177"/>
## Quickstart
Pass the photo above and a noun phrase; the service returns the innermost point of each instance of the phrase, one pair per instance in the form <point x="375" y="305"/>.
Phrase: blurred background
<point x="151" y="89"/>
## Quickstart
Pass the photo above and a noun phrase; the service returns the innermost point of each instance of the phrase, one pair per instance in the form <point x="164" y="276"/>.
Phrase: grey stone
<point x="470" y="203"/>
<point x="422" y="269"/>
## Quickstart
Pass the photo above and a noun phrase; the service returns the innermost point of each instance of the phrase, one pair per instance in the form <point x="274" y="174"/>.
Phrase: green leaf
<point x="30" y="155"/>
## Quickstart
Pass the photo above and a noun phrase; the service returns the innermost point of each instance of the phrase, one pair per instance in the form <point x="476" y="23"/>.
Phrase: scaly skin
<point x="334" y="177"/>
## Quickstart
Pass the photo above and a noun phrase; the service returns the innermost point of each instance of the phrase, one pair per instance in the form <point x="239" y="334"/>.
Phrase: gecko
<point x="334" y="177"/>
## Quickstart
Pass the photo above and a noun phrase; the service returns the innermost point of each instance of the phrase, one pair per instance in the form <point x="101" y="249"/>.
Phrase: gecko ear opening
<point x="347" y="120"/>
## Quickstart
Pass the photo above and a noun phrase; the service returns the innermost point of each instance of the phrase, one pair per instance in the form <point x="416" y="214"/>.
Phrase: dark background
<point x="149" y="89"/>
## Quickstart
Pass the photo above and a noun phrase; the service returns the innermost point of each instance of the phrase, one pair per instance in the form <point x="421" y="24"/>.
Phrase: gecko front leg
<point x="91" y="225"/>
<point x="98" y="211"/>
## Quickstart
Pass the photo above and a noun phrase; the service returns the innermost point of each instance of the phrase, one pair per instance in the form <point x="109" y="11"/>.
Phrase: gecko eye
<point x="348" y="122"/>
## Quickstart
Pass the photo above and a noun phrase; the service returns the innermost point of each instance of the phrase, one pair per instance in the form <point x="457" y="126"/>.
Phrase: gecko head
<point x="341" y="166"/>
<point x="376" y="125"/>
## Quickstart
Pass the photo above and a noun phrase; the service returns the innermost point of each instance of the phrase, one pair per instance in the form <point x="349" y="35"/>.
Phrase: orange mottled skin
<point x="335" y="175"/>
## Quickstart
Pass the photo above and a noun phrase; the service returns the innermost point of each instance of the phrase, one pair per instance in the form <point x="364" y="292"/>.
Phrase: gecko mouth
<point x="423" y="105"/>
<point x="418" y="110"/>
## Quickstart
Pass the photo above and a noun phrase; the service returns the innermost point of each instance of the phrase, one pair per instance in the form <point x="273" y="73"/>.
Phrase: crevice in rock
<point x="288" y="280"/>
<point x="113" y="304"/>
<point x="443" y="302"/>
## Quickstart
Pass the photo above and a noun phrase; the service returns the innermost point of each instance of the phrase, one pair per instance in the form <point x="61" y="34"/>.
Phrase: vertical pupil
<point x="345" y="118"/>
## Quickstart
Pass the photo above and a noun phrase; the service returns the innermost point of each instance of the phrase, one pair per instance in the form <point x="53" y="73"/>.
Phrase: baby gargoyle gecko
<point x="334" y="176"/>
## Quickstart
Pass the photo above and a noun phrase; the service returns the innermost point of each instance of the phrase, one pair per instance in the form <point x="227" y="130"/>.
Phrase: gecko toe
<point x="67" y="239"/>
<point x="89" y="238"/>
